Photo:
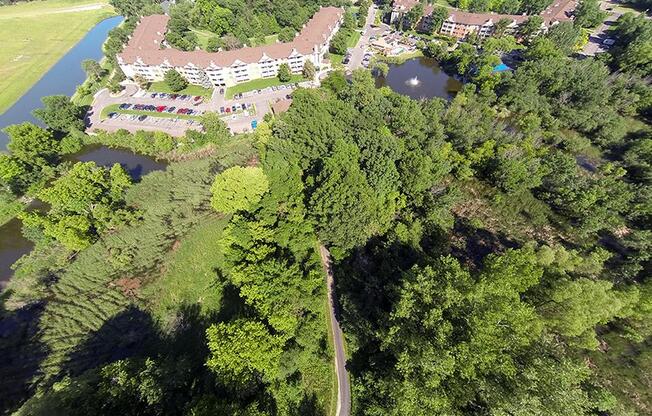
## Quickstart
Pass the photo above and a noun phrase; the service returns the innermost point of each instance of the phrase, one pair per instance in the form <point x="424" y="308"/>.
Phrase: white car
<point x="609" y="42"/>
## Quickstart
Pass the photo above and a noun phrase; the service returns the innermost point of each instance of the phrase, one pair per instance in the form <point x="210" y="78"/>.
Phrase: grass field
<point x="189" y="275"/>
<point x="36" y="35"/>
<point x="161" y="86"/>
<point x="202" y="36"/>
<point x="259" y="84"/>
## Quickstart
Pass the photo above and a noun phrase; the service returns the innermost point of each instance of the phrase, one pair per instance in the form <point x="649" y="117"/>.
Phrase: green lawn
<point x="203" y="36"/>
<point x="189" y="275"/>
<point x="258" y="84"/>
<point x="161" y="86"/>
<point x="269" y="40"/>
<point x="36" y="34"/>
<point x="353" y="39"/>
<point x="115" y="108"/>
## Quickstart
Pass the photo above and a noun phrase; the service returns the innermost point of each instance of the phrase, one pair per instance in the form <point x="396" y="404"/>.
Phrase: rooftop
<point x="146" y="44"/>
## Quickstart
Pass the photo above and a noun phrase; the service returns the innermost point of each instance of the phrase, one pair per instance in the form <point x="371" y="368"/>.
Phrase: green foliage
<point x="589" y="14"/>
<point x="84" y="203"/>
<point x="284" y="73"/>
<point x="60" y="114"/>
<point x="242" y="350"/>
<point x="309" y="71"/>
<point x="238" y="189"/>
<point x="175" y="80"/>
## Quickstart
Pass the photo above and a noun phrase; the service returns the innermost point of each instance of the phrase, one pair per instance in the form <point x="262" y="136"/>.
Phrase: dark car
<point x="142" y="118"/>
<point x="234" y="108"/>
<point x="221" y="109"/>
<point x="171" y="109"/>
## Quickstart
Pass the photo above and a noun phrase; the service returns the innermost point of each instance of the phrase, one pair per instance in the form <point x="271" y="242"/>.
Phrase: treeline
<point x="235" y="22"/>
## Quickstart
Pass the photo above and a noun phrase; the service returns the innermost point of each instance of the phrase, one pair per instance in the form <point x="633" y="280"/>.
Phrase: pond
<point x="13" y="244"/>
<point x="62" y="78"/>
<point x="420" y="78"/>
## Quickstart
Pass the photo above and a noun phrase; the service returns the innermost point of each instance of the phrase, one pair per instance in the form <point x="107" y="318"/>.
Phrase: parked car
<point x="234" y="108"/>
<point x="228" y="110"/>
<point x="222" y="110"/>
<point x="244" y="106"/>
<point x="154" y="95"/>
<point x="609" y="42"/>
<point x="113" y="115"/>
<point x="160" y="108"/>
<point x="142" y="118"/>
<point x="171" y="109"/>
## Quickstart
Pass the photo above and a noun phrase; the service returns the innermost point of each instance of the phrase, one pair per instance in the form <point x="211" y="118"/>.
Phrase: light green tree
<point x="238" y="189"/>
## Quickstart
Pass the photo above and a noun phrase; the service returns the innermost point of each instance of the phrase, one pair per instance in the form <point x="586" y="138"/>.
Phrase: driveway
<point x="357" y="52"/>
<point x="598" y="35"/>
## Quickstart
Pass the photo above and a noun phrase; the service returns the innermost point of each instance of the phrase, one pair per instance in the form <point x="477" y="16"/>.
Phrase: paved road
<point x="598" y="35"/>
<point x="343" y="387"/>
<point x="357" y="52"/>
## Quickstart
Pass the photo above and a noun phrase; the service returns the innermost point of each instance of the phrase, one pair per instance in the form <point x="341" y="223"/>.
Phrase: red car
<point x="228" y="109"/>
<point x="161" y="108"/>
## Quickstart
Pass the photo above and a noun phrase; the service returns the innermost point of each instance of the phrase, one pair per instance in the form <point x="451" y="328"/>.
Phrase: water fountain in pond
<point x="413" y="82"/>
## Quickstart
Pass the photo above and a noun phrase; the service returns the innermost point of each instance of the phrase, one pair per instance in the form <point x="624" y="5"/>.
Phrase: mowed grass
<point x="36" y="35"/>
<point x="259" y="84"/>
<point x="190" y="275"/>
<point x="191" y="89"/>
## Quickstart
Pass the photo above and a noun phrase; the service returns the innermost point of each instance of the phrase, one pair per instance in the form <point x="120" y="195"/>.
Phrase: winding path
<point x="343" y="387"/>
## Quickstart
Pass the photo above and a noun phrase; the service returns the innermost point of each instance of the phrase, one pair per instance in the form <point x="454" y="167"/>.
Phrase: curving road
<point x="343" y="387"/>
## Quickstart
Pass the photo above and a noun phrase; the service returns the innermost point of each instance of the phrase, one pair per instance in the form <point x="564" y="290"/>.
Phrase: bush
<point x="284" y="74"/>
<point x="175" y="80"/>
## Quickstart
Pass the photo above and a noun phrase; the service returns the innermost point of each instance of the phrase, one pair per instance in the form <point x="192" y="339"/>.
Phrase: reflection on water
<point x="12" y="247"/>
<point x="136" y="165"/>
<point x="420" y="78"/>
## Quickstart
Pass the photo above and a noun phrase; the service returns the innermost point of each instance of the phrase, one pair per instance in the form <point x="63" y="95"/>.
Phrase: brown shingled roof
<point x="281" y="106"/>
<point x="559" y="10"/>
<point x="145" y="44"/>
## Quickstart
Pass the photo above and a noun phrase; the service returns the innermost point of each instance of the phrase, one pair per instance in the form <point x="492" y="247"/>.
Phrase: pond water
<point x="62" y="78"/>
<point x="420" y="78"/>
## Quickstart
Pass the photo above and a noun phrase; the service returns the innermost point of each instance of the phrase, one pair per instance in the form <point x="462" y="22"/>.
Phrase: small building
<point x="281" y="106"/>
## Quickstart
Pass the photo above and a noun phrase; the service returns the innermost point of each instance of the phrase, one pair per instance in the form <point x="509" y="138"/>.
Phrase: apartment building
<point x="459" y="24"/>
<point x="148" y="56"/>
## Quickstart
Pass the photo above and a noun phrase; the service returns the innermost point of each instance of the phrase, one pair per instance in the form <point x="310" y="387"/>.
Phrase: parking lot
<point x="173" y="113"/>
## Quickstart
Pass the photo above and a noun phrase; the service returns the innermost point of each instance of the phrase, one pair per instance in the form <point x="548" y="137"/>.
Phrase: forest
<point x="491" y="253"/>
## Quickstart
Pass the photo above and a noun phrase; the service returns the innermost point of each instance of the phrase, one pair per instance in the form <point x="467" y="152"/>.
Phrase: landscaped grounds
<point x="41" y="32"/>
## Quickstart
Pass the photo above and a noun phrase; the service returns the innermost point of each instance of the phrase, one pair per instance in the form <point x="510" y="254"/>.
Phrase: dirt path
<point x="343" y="387"/>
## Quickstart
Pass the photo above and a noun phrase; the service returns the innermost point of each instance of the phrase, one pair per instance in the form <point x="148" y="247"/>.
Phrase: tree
<point x="566" y="36"/>
<point x="60" y="114"/>
<point x="175" y="80"/>
<point x="414" y="16"/>
<point x="93" y="69"/>
<point x="230" y="42"/>
<point x="501" y="26"/>
<point x="309" y="70"/>
<point x="85" y="202"/>
<point x="243" y="350"/>
<point x="339" y="43"/>
<point x="439" y="14"/>
<point x="238" y="189"/>
<point x="220" y="20"/>
<point x="531" y="27"/>
<point x="286" y="34"/>
<point x="32" y="144"/>
<point x="588" y="13"/>
<point x="213" y="44"/>
<point x="141" y="81"/>
<point x="284" y="73"/>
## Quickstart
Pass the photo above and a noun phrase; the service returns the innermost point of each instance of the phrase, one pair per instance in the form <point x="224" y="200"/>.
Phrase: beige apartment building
<point x="148" y="56"/>
<point x="459" y="24"/>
